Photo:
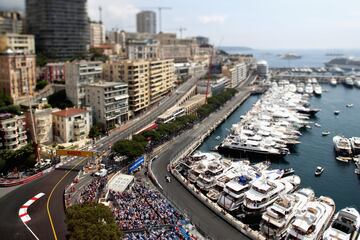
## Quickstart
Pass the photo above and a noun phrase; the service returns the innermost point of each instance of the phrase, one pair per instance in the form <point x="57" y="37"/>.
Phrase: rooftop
<point x="120" y="182"/>
<point x="70" y="112"/>
<point x="107" y="84"/>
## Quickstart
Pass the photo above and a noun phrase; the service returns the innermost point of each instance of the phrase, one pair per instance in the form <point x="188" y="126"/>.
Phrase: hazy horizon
<point x="259" y="24"/>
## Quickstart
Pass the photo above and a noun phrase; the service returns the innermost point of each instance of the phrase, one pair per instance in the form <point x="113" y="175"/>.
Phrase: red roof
<point x="70" y="112"/>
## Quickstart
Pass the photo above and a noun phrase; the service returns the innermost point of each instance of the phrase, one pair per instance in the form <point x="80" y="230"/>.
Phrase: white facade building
<point x="262" y="68"/>
<point x="97" y="33"/>
<point x="109" y="102"/>
<point x="12" y="131"/>
<point x="71" y="124"/>
<point x="77" y="75"/>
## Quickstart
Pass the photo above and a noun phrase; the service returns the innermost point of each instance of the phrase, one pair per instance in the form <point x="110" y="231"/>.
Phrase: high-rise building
<point x="18" y="43"/>
<point x="17" y="75"/>
<point x="109" y="102"/>
<point x="12" y="131"/>
<point x="147" y="81"/>
<point x="11" y="22"/>
<point x="61" y="27"/>
<point x="77" y="75"/>
<point x="97" y="33"/>
<point x="146" y="22"/>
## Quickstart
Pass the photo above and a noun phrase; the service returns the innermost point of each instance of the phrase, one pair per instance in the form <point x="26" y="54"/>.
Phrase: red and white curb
<point x="24" y="216"/>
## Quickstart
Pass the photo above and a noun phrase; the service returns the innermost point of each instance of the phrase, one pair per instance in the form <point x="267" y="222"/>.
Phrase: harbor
<point x="303" y="161"/>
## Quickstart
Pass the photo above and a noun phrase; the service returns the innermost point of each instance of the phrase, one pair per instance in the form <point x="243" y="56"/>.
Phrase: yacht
<point x="349" y="82"/>
<point x="205" y="182"/>
<point x="317" y="90"/>
<point x="300" y="88"/>
<point x="264" y="192"/>
<point x="309" y="88"/>
<point x="357" y="83"/>
<point x="349" y="105"/>
<point x="345" y="225"/>
<point x="346" y="63"/>
<point x="357" y="169"/>
<point x="342" y="146"/>
<point x="319" y="170"/>
<point x="355" y="145"/>
<point x="333" y="82"/>
<point x="277" y="218"/>
<point x="233" y="193"/>
<point x="312" y="220"/>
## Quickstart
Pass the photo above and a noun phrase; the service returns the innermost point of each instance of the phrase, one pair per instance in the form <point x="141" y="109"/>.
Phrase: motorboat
<point x="337" y="112"/>
<point x="264" y="193"/>
<point x="355" y="145"/>
<point x="277" y="218"/>
<point x="309" y="88"/>
<point x="217" y="137"/>
<point x="318" y="90"/>
<point x="333" y="82"/>
<point x="317" y="125"/>
<point x="349" y="105"/>
<point x="345" y="225"/>
<point x="342" y="146"/>
<point x="319" y="170"/>
<point x="312" y="220"/>
<point x="349" y="82"/>
<point x="213" y="194"/>
<point x="343" y="159"/>
<point x="325" y="133"/>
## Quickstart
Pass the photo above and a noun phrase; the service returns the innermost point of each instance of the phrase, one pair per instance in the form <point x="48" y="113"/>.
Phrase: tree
<point x="91" y="221"/>
<point x="41" y="84"/>
<point x="41" y="60"/>
<point x="60" y="100"/>
<point x="129" y="148"/>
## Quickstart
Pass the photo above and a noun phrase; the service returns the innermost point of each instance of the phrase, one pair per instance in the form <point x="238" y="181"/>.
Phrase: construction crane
<point x="159" y="10"/>
<point x="180" y="30"/>
<point x="100" y="14"/>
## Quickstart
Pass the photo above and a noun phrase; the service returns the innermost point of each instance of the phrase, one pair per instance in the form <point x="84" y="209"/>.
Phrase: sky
<point x="261" y="24"/>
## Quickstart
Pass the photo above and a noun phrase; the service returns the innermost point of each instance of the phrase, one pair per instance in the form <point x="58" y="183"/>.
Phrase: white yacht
<point x="312" y="220"/>
<point x="205" y="182"/>
<point x="318" y="90"/>
<point x="345" y="225"/>
<point x="349" y="82"/>
<point x="333" y="81"/>
<point x="233" y="194"/>
<point x="355" y="144"/>
<point x="342" y="146"/>
<point x="278" y="216"/>
<point x="264" y="192"/>
<point x="309" y="88"/>
<point x="300" y="88"/>
<point x="357" y="83"/>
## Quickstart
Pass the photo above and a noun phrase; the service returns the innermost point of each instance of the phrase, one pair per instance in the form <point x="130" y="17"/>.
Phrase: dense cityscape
<point x="151" y="134"/>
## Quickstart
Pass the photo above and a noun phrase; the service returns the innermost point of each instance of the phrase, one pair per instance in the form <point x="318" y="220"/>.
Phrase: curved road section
<point x="54" y="183"/>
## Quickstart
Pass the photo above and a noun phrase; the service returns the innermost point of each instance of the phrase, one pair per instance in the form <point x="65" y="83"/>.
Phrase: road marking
<point x="24" y="216"/>
<point x="51" y="193"/>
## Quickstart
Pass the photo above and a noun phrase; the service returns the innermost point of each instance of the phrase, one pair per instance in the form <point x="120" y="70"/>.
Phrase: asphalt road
<point x="11" y="226"/>
<point x="214" y="226"/>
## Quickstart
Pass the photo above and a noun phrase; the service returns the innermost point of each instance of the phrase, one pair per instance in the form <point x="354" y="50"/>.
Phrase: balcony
<point x="80" y="123"/>
<point x="12" y="143"/>
<point x="11" y="135"/>
<point x="22" y="137"/>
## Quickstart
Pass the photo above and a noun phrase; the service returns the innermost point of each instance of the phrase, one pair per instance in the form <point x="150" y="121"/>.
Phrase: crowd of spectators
<point x="90" y="192"/>
<point x="160" y="234"/>
<point x="141" y="208"/>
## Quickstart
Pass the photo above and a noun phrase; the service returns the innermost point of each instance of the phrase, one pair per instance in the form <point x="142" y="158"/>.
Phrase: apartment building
<point x="71" y="124"/>
<point x="236" y="73"/>
<point x="18" y="43"/>
<point x="147" y="81"/>
<point x="11" y="22"/>
<point x="77" y="75"/>
<point x="12" y="131"/>
<point x="142" y="49"/>
<point x="43" y="120"/>
<point x="17" y="75"/>
<point x="97" y="33"/>
<point x="146" y="22"/>
<point x="54" y="73"/>
<point x="109" y="102"/>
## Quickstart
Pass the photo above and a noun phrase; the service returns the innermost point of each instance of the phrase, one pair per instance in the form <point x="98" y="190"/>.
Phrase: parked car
<point x="101" y="173"/>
